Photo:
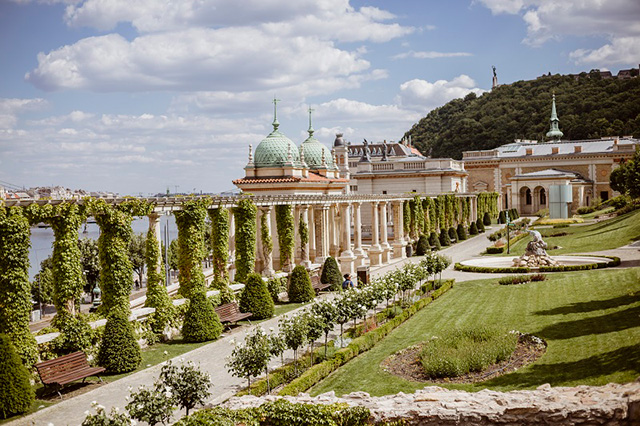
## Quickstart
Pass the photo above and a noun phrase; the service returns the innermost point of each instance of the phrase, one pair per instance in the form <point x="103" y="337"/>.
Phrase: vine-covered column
<point x="375" y="252"/>
<point x="286" y="236"/>
<point x="347" y="258"/>
<point x="398" y="230"/>
<point x="267" y="242"/>
<point x="357" y="233"/>
<point x="334" y="226"/>
<point x="15" y="290"/>
<point x="220" y="222"/>
<point x="384" y="242"/>
<point x="245" y="231"/>
<point x="191" y="246"/>
<point x="157" y="296"/>
<point x="303" y="231"/>
<point x="312" y="232"/>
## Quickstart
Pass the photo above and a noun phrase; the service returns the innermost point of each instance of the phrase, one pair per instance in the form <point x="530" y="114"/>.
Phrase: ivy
<point x="440" y="207"/>
<point x="406" y="217"/>
<point x="286" y="235"/>
<point x="15" y="303"/>
<point x="417" y="217"/>
<point x="303" y="231"/>
<point x="191" y="245"/>
<point x="265" y="237"/>
<point x="157" y="296"/>
<point x="450" y="210"/>
<point x="220" y="244"/>
<point x="245" y="213"/>
<point x="487" y="203"/>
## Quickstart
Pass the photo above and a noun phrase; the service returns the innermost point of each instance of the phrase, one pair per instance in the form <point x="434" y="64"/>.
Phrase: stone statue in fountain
<point x="535" y="255"/>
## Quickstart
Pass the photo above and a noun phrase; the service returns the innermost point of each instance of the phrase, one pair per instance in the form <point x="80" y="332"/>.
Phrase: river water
<point x="42" y="238"/>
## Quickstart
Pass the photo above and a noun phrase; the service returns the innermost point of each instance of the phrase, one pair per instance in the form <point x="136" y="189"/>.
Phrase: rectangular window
<point x="604" y="195"/>
<point x="384" y="192"/>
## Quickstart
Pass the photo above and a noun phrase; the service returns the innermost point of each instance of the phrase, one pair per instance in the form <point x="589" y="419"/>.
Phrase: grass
<point x="605" y="235"/>
<point x="590" y="320"/>
<point x="598" y="213"/>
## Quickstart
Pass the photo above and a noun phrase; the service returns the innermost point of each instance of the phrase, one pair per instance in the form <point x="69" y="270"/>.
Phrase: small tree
<point x="102" y="418"/>
<point x="331" y="274"/>
<point x="201" y="323"/>
<point x="502" y="217"/>
<point x="255" y="298"/>
<point x="294" y="333"/>
<point x="486" y="219"/>
<point x="251" y="358"/>
<point x="480" y="225"/>
<point x="462" y="233"/>
<point x="473" y="229"/>
<point x="423" y="245"/>
<point x="327" y="311"/>
<point x="315" y="329"/>
<point x="16" y="394"/>
<point x="434" y="241"/>
<point x="188" y="384"/>
<point x="444" y="238"/>
<point x="152" y="406"/>
<point x="300" y="289"/>
<point x="119" y="351"/>
<point x="453" y="234"/>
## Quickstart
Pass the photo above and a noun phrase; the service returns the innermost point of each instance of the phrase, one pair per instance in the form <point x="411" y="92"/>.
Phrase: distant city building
<point x="523" y="171"/>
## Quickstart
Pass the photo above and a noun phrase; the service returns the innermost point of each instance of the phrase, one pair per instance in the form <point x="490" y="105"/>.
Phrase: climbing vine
<point x="220" y="243"/>
<point x="15" y="296"/>
<point x="191" y="245"/>
<point x="450" y="210"/>
<point x="157" y="296"/>
<point x="406" y="217"/>
<point x="286" y="235"/>
<point x="303" y="231"/>
<point x="116" y="270"/>
<point x="245" y="214"/>
<point x="429" y="215"/>
<point x="441" y="202"/>
<point x="265" y="238"/>
<point x="417" y="217"/>
<point x="488" y="202"/>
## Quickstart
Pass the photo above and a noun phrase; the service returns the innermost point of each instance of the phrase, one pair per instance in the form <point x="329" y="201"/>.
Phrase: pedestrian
<point x="347" y="282"/>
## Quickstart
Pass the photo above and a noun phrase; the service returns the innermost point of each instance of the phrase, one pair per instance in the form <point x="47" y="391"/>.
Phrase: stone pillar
<point x="296" y="245"/>
<point x="399" y="243"/>
<point x="304" y="249"/>
<point x="267" y="258"/>
<point x="154" y="227"/>
<point x="384" y="243"/>
<point x="334" y="242"/>
<point x="347" y="258"/>
<point x="321" y="216"/>
<point x="375" y="252"/>
<point x="312" y="232"/>
<point x="357" y="234"/>
<point x="232" y="246"/>
<point x="326" y="237"/>
<point x="474" y="209"/>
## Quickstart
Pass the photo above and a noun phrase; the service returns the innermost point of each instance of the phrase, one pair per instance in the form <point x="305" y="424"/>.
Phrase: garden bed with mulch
<point x="406" y="363"/>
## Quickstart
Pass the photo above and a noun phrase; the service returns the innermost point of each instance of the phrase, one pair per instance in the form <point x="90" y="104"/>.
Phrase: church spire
<point x="554" y="131"/>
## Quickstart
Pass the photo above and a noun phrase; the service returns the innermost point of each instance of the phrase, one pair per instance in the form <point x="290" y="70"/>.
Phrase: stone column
<point x="154" y="227"/>
<point x="312" y="232"/>
<point x="304" y="249"/>
<point x="334" y="243"/>
<point x="267" y="258"/>
<point x="232" y="245"/>
<point x="321" y="214"/>
<point x="357" y="234"/>
<point x="326" y="237"/>
<point x="384" y="243"/>
<point x="296" y="245"/>
<point x="399" y="244"/>
<point x="375" y="252"/>
<point x="474" y="208"/>
<point x="347" y="258"/>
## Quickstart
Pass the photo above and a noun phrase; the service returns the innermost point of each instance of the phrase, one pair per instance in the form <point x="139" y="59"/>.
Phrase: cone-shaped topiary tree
<point x="331" y="274"/>
<point x="502" y="218"/>
<point x="453" y="234"/>
<point x="486" y="219"/>
<point x="434" y="241"/>
<point x="444" y="238"/>
<point x="201" y="323"/>
<point x="423" y="245"/>
<point x="16" y="395"/>
<point x="300" y="289"/>
<point x="480" y="225"/>
<point x="119" y="351"/>
<point x="255" y="298"/>
<point x="473" y="229"/>
<point x="462" y="233"/>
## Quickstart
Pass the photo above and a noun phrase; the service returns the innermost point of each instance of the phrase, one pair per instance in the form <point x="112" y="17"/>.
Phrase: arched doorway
<point x="526" y="200"/>
<point x="539" y="199"/>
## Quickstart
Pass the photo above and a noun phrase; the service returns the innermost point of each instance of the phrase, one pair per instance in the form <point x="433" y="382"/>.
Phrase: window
<point x="527" y="197"/>
<point x="506" y="200"/>
<point x="413" y="190"/>
<point x="543" y="197"/>
<point x="384" y="192"/>
<point x="604" y="195"/>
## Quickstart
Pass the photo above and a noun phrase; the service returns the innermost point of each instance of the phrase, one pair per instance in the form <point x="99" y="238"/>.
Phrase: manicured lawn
<point x="605" y="235"/>
<point x="590" y="320"/>
<point x="597" y="213"/>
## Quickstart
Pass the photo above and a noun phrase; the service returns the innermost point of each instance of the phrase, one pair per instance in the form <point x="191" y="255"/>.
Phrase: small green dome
<point x="273" y="151"/>
<point x="313" y="150"/>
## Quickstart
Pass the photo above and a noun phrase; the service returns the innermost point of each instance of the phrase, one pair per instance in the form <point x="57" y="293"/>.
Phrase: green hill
<point x="588" y="107"/>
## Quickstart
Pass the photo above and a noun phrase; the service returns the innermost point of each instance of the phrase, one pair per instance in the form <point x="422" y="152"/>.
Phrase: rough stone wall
<point x="612" y="404"/>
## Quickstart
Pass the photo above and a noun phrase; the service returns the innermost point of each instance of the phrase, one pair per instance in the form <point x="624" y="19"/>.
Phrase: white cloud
<point x="503" y="6"/>
<point x="624" y="50"/>
<point x="11" y="108"/>
<point x="351" y="111"/>
<point x="430" y="55"/>
<point x="421" y="95"/>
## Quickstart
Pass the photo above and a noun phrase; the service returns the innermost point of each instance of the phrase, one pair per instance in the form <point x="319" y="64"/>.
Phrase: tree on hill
<point x="626" y="177"/>
<point x="588" y="107"/>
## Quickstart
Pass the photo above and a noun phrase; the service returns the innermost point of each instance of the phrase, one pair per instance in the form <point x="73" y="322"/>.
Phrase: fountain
<point x="535" y="255"/>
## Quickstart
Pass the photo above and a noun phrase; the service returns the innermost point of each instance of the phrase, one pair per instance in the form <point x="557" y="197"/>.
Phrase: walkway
<point x="212" y="357"/>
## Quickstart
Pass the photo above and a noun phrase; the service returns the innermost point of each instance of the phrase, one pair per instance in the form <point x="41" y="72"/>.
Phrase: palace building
<point x="524" y="171"/>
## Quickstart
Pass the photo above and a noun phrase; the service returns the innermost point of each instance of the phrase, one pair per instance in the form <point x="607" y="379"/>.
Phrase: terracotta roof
<point x="313" y="177"/>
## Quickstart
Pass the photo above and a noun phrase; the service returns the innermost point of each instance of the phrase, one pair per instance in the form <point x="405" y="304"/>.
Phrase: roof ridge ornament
<point x="310" y="126"/>
<point x="554" y="131"/>
<point x="275" y="113"/>
<point x="250" y="153"/>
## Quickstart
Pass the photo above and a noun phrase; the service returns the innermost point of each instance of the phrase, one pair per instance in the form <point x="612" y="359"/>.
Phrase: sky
<point x="141" y="96"/>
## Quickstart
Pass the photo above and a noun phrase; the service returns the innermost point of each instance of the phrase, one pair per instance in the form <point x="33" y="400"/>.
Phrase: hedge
<point x="487" y="269"/>
<point x="359" y="345"/>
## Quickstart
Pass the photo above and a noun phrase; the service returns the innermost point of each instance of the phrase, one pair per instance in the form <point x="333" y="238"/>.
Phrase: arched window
<point x="543" y="197"/>
<point x="527" y="197"/>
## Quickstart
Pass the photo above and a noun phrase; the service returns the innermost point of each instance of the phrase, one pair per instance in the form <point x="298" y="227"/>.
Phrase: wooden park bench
<point x="317" y="285"/>
<point x="66" y="369"/>
<point x="230" y="313"/>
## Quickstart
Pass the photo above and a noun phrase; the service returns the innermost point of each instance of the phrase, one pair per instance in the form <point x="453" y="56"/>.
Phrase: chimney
<point x="615" y="141"/>
<point x="529" y="151"/>
<point x="577" y="148"/>
<point x="554" y="149"/>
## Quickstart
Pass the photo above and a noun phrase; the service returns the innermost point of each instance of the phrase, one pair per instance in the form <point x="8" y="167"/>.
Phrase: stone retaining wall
<point x="612" y="404"/>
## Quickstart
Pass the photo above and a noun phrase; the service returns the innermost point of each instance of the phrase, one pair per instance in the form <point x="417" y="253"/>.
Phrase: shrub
<point x="473" y="229"/>
<point x="16" y="395"/>
<point x="462" y="233"/>
<point x="331" y="274"/>
<point x="434" y="241"/>
<point x="618" y="202"/>
<point x="300" y="289"/>
<point x="423" y="245"/>
<point x="275" y="287"/>
<point x="480" y="225"/>
<point x="119" y="351"/>
<point x="453" y="234"/>
<point x="201" y="323"/>
<point x="586" y="210"/>
<point x="495" y="250"/>
<point x="561" y="225"/>
<point x="518" y="279"/>
<point x="487" y="269"/>
<point x="542" y="213"/>
<point x="486" y="219"/>
<point x="444" y="238"/>
<point x="538" y="277"/>
<point x="502" y="217"/>
<point x="255" y="298"/>
<point x="459" y="352"/>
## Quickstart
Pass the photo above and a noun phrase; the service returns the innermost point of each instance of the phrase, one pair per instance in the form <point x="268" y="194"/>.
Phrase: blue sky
<point x="135" y="96"/>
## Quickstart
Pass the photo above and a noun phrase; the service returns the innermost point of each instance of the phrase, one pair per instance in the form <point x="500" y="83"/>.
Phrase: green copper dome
<point x="276" y="149"/>
<point x="313" y="150"/>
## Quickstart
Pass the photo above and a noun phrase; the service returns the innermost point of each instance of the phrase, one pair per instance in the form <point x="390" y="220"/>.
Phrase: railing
<point x="486" y="153"/>
<point x="414" y="165"/>
<point x="383" y="166"/>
